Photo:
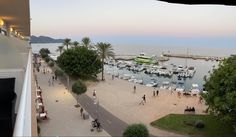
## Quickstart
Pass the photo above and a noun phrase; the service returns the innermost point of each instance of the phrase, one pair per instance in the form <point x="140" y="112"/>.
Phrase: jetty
<point x="212" y="58"/>
<point x="125" y="57"/>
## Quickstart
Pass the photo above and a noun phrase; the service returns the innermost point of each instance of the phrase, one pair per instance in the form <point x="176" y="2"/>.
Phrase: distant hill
<point x="44" y="39"/>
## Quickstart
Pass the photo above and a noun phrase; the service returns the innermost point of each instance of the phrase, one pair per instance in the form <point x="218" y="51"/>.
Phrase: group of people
<point x="155" y="93"/>
<point x="51" y="80"/>
<point x="190" y="109"/>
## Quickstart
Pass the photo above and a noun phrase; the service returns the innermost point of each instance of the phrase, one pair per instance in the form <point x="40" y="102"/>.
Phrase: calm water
<point x="202" y="67"/>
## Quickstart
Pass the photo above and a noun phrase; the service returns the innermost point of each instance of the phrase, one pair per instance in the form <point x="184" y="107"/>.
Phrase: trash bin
<point x="85" y="115"/>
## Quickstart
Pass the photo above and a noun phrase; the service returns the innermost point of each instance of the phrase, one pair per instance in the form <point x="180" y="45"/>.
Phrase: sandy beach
<point x="118" y="97"/>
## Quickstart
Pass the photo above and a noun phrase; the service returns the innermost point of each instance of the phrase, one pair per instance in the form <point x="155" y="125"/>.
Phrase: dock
<point x="212" y="58"/>
<point x="125" y="57"/>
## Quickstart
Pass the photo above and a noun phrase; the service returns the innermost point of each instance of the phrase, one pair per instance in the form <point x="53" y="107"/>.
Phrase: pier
<point x="212" y="58"/>
<point x="125" y="57"/>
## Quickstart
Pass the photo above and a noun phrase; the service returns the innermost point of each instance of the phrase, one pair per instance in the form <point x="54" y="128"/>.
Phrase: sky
<point x="134" y="21"/>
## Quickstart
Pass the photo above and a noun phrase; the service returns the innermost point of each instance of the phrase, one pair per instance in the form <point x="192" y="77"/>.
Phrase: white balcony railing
<point x="23" y="119"/>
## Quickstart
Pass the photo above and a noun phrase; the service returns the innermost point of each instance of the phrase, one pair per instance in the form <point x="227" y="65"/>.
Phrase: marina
<point x="175" y="74"/>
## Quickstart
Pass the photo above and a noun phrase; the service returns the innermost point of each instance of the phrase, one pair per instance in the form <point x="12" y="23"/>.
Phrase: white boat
<point x="126" y="76"/>
<point x="194" y="89"/>
<point x="139" y="81"/>
<point x="180" y="89"/>
<point x="152" y="84"/>
<point x="165" y="85"/>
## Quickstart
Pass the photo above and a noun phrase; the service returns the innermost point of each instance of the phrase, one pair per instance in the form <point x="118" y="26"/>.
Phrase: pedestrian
<point x="94" y="94"/>
<point x="154" y="93"/>
<point x="53" y="77"/>
<point x="49" y="82"/>
<point x="142" y="102"/>
<point x="52" y="83"/>
<point x="144" y="98"/>
<point x="134" y="89"/>
<point x="113" y="77"/>
<point x="157" y="92"/>
<point x="81" y="112"/>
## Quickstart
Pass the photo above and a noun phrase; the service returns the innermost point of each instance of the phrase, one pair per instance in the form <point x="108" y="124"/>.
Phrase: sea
<point x="203" y="68"/>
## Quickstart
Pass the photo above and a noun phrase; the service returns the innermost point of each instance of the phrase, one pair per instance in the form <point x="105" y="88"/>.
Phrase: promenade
<point x="117" y="96"/>
<point x="118" y="107"/>
<point x="64" y="118"/>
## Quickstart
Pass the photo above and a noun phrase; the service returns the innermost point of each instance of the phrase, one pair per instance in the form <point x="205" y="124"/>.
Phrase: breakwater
<point x="212" y="58"/>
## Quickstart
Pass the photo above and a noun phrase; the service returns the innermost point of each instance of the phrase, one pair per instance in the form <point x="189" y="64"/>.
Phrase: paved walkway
<point x="114" y="126"/>
<point x="64" y="118"/>
<point x="118" y="97"/>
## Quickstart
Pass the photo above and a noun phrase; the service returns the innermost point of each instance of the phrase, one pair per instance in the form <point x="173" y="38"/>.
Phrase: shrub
<point x="136" y="130"/>
<point x="44" y="55"/>
<point x="199" y="124"/>
<point x="79" y="87"/>
<point x="51" y="63"/>
<point x="59" y="72"/>
<point x="47" y="59"/>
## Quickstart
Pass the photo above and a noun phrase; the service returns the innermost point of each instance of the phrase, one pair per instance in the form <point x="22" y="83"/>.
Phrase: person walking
<point x="142" y="102"/>
<point x="154" y="93"/>
<point x="144" y="98"/>
<point x="49" y="82"/>
<point x="81" y="112"/>
<point x="134" y="89"/>
<point x="157" y="92"/>
<point x="94" y="94"/>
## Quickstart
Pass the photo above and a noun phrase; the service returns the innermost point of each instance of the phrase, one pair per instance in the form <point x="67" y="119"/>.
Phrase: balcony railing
<point x="23" y="119"/>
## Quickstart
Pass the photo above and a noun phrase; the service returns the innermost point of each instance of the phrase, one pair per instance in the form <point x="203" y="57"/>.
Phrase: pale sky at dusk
<point x="108" y="18"/>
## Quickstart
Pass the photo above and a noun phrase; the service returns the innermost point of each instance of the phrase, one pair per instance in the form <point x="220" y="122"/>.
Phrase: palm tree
<point x="60" y="49"/>
<point x="67" y="42"/>
<point x="86" y="42"/>
<point x="75" y="43"/>
<point x="104" y="50"/>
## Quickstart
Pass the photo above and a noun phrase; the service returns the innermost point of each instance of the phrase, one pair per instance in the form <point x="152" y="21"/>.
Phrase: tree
<point x="60" y="49"/>
<point x="136" y="130"/>
<point x="79" y="88"/>
<point x="221" y="90"/>
<point x="86" y="42"/>
<point x="67" y="42"/>
<point x="104" y="51"/>
<point x="44" y="52"/>
<point x="75" y="43"/>
<point x="80" y="62"/>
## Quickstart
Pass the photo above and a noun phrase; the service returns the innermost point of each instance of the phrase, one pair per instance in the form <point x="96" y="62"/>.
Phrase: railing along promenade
<point x="23" y="119"/>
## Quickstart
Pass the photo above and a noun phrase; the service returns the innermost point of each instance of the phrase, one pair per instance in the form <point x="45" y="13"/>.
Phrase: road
<point x="114" y="126"/>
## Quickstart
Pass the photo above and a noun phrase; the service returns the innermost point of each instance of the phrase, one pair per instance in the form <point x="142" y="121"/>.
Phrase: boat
<point x="126" y="76"/>
<point x="139" y="81"/>
<point x="142" y="58"/>
<point x="180" y="89"/>
<point x="152" y="84"/>
<point x="194" y="89"/>
<point x="165" y="85"/>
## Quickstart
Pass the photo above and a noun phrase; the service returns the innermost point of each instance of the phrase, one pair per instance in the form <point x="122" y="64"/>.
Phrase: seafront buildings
<point x="17" y="115"/>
